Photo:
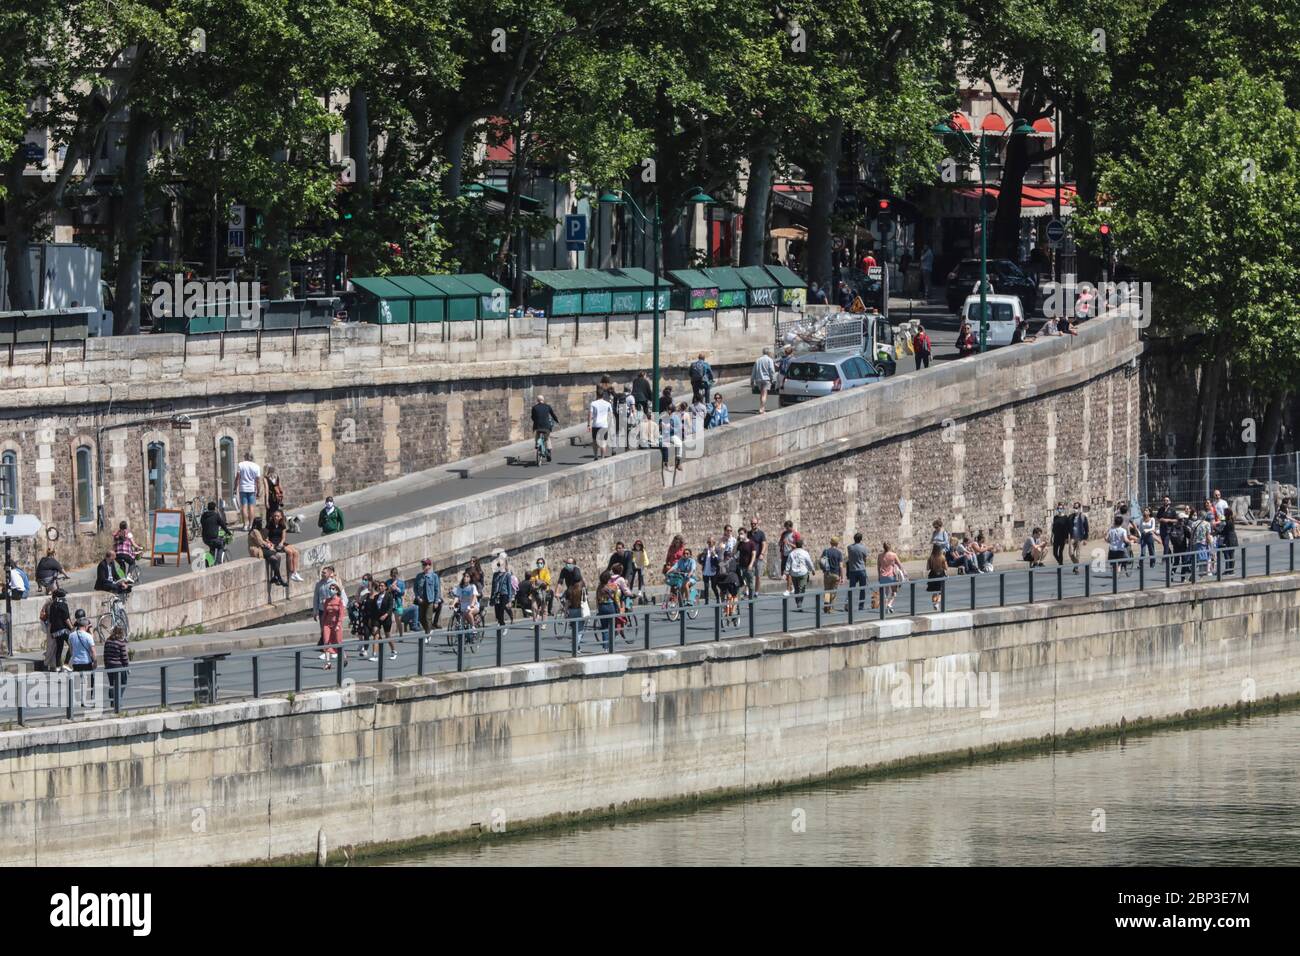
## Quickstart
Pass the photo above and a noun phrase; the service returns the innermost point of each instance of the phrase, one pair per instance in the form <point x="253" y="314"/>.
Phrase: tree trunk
<point x="1270" y="430"/>
<point x="1087" y="265"/>
<point x="1211" y="382"/>
<point x="359" y="141"/>
<point x="454" y="150"/>
<point x="22" y="292"/>
<point x="130" y="222"/>
<point x="758" y="192"/>
<point x="826" y="184"/>
<point x="1006" y="223"/>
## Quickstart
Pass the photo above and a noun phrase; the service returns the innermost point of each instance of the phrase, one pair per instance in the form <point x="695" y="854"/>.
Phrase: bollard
<point x="717" y="622"/>
<point x="1087" y="580"/>
<point x="785" y="613"/>
<point x="297" y="670"/>
<point x="256" y="675"/>
<point x="681" y="622"/>
<point x="1031" y="585"/>
<point x="1060" y="582"/>
<point x="537" y="642"/>
<point x="972" y="590"/>
<point x="419" y="656"/>
<point x="499" y="639"/>
<point x="817" y="611"/>
<point x="1114" y="577"/>
<point x="751" y="616"/>
<point x="162" y="686"/>
<point x="460" y="649"/>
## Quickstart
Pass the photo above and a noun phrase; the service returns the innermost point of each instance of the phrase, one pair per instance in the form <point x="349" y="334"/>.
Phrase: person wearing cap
<point x="427" y="589"/>
<point x="81" y="643"/>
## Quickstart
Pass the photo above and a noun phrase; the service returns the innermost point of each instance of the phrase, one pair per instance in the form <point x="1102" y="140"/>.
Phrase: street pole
<point x="9" y="605"/>
<point x="984" y="254"/>
<point x="655" y="240"/>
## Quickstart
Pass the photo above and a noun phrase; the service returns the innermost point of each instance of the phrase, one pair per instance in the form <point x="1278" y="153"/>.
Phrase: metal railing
<point x="222" y="677"/>
<point x="1259" y="482"/>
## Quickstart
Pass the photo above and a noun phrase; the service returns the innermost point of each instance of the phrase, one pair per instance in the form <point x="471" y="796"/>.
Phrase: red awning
<point x="793" y="188"/>
<point x="1045" y="126"/>
<point x="1048" y="193"/>
<point x="993" y="123"/>
<point x="960" y="121"/>
<point x="1027" y="201"/>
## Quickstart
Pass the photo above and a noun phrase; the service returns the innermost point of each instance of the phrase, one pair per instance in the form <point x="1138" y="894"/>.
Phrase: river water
<point x="1213" y="794"/>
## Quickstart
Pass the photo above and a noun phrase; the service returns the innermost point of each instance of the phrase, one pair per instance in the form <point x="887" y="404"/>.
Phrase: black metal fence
<point x="223" y="677"/>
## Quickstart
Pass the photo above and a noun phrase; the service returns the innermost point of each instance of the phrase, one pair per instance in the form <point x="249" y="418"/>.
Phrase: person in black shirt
<point x="621" y="555"/>
<point x="642" y="393"/>
<point x="58" y="618"/>
<point x="544" y="422"/>
<point x="212" y="526"/>
<point x="1166" y="518"/>
<point x="1061" y="523"/>
<point x="666" y="402"/>
<point x="571" y="574"/>
<point x="759" y="538"/>
<point x="48" y="570"/>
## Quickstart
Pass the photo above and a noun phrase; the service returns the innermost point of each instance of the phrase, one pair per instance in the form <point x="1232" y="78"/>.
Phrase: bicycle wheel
<point x="671" y="608"/>
<point x="453" y="629"/>
<point x="692" y="611"/>
<point x="119" y="619"/>
<point x="104" y="627"/>
<point x="628" y="628"/>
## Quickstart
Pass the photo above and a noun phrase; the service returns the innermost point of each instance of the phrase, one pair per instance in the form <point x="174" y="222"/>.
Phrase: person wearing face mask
<point x="542" y="581"/>
<point x="1061" y="523"/>
<point x="331" y="518"/>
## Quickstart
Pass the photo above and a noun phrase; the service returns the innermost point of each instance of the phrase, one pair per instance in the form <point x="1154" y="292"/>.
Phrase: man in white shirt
<point x="1220" y="505"/>
<point x="763" y="377"/>
<point x="599" y="418"/>
<point x="249" y="480"/>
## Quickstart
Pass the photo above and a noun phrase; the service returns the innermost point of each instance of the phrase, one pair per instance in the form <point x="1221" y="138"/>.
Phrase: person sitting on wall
<point x="110" y="576"/>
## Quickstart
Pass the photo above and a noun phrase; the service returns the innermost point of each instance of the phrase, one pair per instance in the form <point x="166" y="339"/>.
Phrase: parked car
<point x="823" y="373"/>
<point x="1005" y="313"/>
<point x="1005" y="277"/>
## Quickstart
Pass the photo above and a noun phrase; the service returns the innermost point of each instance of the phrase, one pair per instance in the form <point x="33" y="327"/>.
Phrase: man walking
<point x="762" y="377"/>
<point x="330" y="519"/>
<point x="599" y="419"/>
<point x="1061" y="523"/>
<point x="1078" y="534"/>
<point x="1166" y="518"/>
<point x="921" y="347"/>
<point x="856" y="566"/>
<point x="427" y="587"/>
<point x="250" y="489"/>
<point x="759" y="539"/>
<point x="643" y="394"/>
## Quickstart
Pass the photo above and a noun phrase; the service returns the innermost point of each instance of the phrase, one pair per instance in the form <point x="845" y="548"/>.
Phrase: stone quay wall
<point x="335" y="410"/>
<point x="502" y="749"/>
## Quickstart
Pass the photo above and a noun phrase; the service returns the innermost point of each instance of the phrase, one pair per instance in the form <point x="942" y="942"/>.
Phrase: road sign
<point x="19" y="526"/>
<point x="575" y="232"/>
<point x="237" y="213"/>
<point x="875" y="273"/>
<point x="33" y="152"/>
<point x="1055" y="231"/>
<point x="235" y="242"/>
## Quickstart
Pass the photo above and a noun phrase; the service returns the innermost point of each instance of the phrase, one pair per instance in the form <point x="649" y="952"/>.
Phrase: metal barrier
<point x="220" y="677"/>
<point x="1260" y="482"/>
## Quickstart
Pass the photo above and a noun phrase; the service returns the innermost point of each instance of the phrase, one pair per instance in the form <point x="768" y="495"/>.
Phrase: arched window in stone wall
<point x="155" y="476"/>
<point x="83" y="498"/>
<point x="227" y="463"/>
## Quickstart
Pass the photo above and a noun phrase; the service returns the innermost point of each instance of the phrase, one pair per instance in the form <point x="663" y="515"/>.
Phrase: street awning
<point x="788" y="232"/>
<point x="993" y="123"/>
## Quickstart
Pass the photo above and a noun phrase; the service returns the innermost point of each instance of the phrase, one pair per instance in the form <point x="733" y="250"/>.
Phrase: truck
<point x="65" y="275"/>
<point x="868" y="334"/>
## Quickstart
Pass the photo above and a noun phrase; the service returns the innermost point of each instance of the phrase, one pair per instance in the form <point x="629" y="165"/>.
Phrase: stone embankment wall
<point x="990" y="442"/>
<point x="501" y="749"/>
<point x="334" y="410"/>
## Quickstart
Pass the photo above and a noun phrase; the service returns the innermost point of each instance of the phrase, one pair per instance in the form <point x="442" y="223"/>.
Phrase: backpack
<point x="699" y="371"/>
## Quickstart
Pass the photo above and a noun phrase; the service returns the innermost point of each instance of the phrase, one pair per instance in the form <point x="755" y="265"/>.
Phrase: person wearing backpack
<point x="701" y="380"/>
<point x="921" y="347"/>
<point x="58" y="620"/>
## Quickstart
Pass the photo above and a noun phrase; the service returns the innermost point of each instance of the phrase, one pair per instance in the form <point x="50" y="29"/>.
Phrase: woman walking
<point x="331" y="622"/>
<point x="889" y="571"/>
<point x="117" y="661"/>
<point x="1147" y="530"/>
<point x="936" y="569"/>
<point x="607" y="607"/>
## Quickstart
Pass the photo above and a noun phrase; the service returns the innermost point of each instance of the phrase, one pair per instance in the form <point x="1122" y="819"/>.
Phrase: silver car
<point x="824" y="373"/>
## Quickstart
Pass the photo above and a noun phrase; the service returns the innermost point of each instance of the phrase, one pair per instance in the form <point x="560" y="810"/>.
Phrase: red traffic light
<point x="884" y="205"/>
<point x="1104" y="229"/>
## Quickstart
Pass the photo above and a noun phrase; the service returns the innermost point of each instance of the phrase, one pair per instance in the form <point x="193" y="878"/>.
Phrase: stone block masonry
<point x="797" y="461"/>
<point x="507" y="748"/>
<point x="334" y="410"/>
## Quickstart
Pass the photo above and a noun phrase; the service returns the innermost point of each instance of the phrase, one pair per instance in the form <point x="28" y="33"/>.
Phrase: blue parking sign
<point x="575" y="232"/>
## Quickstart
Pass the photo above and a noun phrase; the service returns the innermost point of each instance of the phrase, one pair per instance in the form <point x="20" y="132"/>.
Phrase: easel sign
<point x="169" y="536"/>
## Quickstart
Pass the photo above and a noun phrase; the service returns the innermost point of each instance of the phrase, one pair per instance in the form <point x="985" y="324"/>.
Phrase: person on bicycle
<point x="48" y="571"/>
<point x="681" y="578"/>
<point x="111" y="576"/>
<point x="544" y="422"/>
<point x="467" y="594"/>
<point x="212" y="524"/>
<point x="545" y="595"/>
<point x="124" y="547"/>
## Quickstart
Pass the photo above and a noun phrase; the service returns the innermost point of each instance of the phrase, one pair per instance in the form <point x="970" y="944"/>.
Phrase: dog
<point x="294" y="524"/>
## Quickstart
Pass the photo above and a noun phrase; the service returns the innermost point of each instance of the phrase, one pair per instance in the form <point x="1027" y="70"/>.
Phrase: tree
<point x="1207" y="203"/>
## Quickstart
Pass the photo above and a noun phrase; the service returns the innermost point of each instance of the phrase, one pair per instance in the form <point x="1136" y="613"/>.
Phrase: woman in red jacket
<point x="331" y="620"/>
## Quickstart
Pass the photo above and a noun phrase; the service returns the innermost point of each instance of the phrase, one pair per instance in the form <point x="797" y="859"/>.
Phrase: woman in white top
<point x="798" y="565"/>
<point x="1147" y="528"/>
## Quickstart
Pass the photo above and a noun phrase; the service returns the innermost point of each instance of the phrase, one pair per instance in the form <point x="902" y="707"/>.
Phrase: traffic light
<point x="883" y="206"/>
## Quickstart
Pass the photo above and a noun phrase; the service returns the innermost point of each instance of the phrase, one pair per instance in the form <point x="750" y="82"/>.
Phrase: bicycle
<point x="681" y="595"/>
<point x="114" y="616"/>
<point x="625" y="622"/>
<point x="461" y="624"/>
<point x="210" y="560"/>
<point x="731" y="611"/>
<point x="542" y="446"/>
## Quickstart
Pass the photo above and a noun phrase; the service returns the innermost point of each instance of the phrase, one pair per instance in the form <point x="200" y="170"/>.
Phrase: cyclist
<point x="544" y="422"/>
<point x="125" y="548"/>
<point x="212" y="524"/>
<point x="467" y="594"/>
<point x="48" y="572"/>
<point x="681" y="577"/>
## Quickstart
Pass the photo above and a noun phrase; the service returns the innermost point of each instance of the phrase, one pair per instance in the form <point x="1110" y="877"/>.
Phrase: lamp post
<point x="945" y="128"/>
<point x="619" y="196"/>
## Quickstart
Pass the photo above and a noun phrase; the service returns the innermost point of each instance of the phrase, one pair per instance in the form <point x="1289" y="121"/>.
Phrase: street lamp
<point x="616" y="197"/>
<point x="945" y="128"/>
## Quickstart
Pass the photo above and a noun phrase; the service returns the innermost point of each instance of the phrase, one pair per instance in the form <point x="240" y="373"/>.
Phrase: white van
<point x="1005" y="313"/>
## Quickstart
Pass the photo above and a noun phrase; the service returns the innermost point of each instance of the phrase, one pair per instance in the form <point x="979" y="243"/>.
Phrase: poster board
<point x="169" y="535"/>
